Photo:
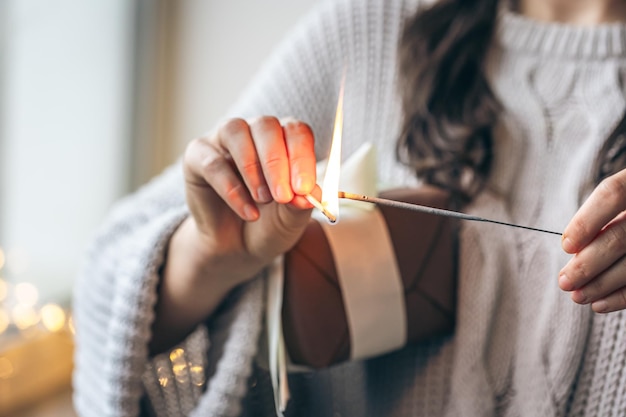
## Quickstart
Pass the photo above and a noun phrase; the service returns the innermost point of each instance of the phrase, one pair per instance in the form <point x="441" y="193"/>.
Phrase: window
<point x="65" y="126"/>
<point x="95" y="98"/>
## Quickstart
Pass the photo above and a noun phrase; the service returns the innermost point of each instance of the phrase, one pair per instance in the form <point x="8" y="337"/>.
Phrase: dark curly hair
<point x="449" y="108"/>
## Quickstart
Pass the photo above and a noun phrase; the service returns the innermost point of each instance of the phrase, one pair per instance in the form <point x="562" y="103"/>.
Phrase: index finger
<point x="606" y="201"/>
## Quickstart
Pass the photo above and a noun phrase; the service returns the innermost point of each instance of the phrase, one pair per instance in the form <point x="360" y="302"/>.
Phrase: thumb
<point x="293" y="218"/>
<point x="279" y="227"/>
<point x="277" y="230"/>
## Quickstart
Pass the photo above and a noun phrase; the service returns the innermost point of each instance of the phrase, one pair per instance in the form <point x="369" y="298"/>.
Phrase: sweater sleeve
<point x="116" y="292"/>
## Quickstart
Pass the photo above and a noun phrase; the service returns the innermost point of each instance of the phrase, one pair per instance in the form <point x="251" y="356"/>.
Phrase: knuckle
<point x="274" y="162"/>
<point x="299" y="162"/>
<point x="234" y="191"/>
<point x="298" y="128"/>
<point x="251" y="169"/>
<point x="616" y="237"/>
<point x="198" y="153"/>
<point x="192" y="149"/>
<point x="612" y="189"/>
<point x="233" y="127"/>
<point x="266" y="123"/>
<point x="579" y="272"/>
<point x="580" y="227"/>
<point x="211" y="165"/>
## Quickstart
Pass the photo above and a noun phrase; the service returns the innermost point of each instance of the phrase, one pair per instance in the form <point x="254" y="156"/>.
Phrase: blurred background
<point x="96" y="97"/>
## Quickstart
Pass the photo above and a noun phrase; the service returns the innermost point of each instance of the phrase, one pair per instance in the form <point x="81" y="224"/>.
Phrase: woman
<point x="517" y="109"/>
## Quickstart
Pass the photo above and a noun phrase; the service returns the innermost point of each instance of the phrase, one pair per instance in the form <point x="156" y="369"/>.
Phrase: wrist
<point x="195" y="278"/>
<point x="202" y="263"/>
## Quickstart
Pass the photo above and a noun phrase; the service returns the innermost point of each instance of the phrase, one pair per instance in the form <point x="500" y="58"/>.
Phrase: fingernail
<point x="263" y="194"/>
<point x="304" y="184"/>
<point x="250" y="212"/>
<point x="568" y="245"/>
<point x="283" y="193"/>
<point x="600" y="306"/>
<point x="565" y="283"/>
<point x="579" y="297"/>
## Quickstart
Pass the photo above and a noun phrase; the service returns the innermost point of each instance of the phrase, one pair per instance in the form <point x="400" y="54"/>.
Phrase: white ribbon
<point x="369" y="277"/>
<point x="276" y="343"/>
<point x="370" y="282"/>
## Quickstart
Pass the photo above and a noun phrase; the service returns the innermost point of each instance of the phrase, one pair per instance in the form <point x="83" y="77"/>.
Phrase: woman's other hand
<point x="596" y="236"/>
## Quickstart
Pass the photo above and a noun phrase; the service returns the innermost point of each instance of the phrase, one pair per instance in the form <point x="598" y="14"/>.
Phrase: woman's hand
<point x="245" y="189"/>
<point x="596" y="234"/>
<point x="245" y="186"/>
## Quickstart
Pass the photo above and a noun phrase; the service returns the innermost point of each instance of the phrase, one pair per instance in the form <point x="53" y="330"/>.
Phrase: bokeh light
<point x="4" y="289"/>
<point x="177" y="354"/>
<point x="162" y="376"/>
<point x="52" y="317"/>
<point x="179" y="365"/>
<point x="26" y="293"/>
<point x="4" y="321"/>
<point x="24" y="316"/>
<point x="197" y="375"/>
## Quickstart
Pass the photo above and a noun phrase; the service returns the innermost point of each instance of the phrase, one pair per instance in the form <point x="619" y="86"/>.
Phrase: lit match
<point x="330" y="216"/>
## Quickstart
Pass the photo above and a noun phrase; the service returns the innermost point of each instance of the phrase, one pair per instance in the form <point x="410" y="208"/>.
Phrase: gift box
<point x="315" y="323"/>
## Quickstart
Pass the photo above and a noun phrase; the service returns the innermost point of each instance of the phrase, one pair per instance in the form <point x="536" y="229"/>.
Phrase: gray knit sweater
<point x="521" y="347"/>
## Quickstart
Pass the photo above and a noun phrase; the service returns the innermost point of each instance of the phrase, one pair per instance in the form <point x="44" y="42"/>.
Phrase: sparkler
<point x="416" y="207"/>
<point x="435" y="211"/>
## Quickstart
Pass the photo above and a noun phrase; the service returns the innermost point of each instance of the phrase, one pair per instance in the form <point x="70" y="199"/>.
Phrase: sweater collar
<point x="517" y="32"/>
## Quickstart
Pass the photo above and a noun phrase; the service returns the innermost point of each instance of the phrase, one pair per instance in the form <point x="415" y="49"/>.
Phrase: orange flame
<point x="330" y="185"/>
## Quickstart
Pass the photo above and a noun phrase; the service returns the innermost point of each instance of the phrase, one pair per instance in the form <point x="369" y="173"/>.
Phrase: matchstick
<point x="330" y="216"/>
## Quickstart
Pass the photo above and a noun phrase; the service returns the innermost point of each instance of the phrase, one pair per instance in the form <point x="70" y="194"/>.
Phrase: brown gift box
<point x="315" y="327"/>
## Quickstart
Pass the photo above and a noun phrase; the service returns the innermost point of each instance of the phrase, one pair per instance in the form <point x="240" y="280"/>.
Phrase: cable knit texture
<point x="521" y="347"/>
